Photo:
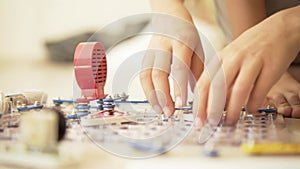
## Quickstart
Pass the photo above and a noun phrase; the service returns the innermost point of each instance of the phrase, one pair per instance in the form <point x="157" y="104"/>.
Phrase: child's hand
<point x="170" y="54"/>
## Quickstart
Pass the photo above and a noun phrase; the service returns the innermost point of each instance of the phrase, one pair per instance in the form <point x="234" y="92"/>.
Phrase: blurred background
<point x="37" y="37"/>
<point x="26" y="27"/>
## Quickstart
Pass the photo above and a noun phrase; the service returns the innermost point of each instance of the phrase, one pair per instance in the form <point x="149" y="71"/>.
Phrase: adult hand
<point x="247" y="68"/>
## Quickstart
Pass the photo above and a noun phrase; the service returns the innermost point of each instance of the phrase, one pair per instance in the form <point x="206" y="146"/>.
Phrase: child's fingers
<point x="146" y="80"/>
<point x="160" y="75"/>
<point x="180" y="73"/>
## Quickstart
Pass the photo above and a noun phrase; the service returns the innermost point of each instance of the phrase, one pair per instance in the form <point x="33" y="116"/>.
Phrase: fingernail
<point x="176" y="113"/>
<point x="167" y="111"/>
<point x="178" y="102"/>
<point x="198" y="122"/>
<point x="157" y="109"/>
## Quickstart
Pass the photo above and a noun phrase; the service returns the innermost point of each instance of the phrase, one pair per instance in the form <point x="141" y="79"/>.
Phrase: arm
<point x="171" y="7"/>
<point x="243" y="14"/>
<point x="291" y="24"/>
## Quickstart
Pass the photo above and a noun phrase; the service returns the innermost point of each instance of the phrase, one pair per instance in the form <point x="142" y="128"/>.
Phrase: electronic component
<point x="272" y="148"/>
<point x="21" y="101"/>
<point x="90" y="69"/>
<point x="39" y="130"/>
<point x="37" y="143"/>
<point x="24" y="107"/>
<point x="14" y="102"/>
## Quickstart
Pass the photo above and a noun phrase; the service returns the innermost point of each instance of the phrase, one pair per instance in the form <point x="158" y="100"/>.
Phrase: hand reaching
<point x="172" y="52"/>
<point x="246" y="69"/>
